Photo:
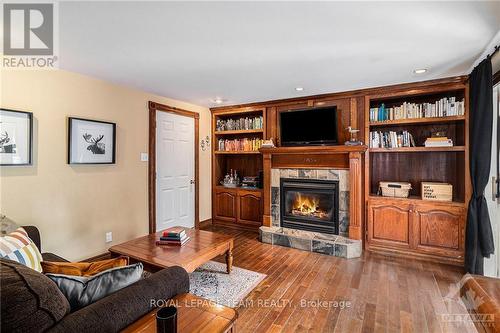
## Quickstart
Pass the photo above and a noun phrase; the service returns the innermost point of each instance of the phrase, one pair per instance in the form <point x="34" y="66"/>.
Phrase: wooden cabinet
<point x="225" y="205"/>
<point x="389" y="224"/>
<point x="238" y="207"/>
<point x="416" y="227"/>
<point x="439" y="229"/>
<point x="249" y="207"/>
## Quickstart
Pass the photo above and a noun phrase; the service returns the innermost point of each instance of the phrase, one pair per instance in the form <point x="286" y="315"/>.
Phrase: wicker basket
<point x="395" y="189"/>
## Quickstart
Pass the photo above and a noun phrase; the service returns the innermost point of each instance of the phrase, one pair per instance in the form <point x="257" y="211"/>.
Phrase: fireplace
<point x="310" y="204"/>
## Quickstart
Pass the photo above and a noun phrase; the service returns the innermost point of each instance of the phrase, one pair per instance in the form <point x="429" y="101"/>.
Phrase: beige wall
<point x="75" y="205"/>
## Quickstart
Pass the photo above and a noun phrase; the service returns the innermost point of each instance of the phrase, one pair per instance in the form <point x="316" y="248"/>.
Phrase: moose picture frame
<point x="91" y="141"/>
<point x="16" y="138"/>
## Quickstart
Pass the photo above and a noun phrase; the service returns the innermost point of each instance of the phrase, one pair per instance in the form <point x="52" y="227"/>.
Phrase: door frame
<point x="153" y="107"/>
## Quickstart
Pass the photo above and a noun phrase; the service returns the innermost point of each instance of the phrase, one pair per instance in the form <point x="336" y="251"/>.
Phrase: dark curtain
<point x="478" y="236"/>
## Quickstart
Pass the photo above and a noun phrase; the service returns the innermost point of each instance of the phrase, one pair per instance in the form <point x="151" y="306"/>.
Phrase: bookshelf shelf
<point x="239" y="207"/>
<point x="416" y="149"/>
<point x="239" y="132"/>
<point x="235" y="152"/>
<point x="411" y="226"/>
<point x="429" y="120"/>
<point x="415" y="199"/>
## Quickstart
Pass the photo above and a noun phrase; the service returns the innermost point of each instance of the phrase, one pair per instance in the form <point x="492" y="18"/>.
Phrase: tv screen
<point x="309" y="127"/>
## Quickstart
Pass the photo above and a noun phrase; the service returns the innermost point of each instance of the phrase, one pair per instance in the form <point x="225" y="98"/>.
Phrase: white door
<point x="174" y="171"/>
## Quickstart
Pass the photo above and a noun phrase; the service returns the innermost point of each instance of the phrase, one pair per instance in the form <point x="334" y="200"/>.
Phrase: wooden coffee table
<point x="202" y="247"/>
<point x="194" y="314"/>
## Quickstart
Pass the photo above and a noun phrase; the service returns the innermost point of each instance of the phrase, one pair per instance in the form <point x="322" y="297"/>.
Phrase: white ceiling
<point x="257" y="51"/>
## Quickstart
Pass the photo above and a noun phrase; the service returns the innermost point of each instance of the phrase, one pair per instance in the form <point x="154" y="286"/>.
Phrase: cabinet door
<point x="389" y="224"/>
<point x="249" y="208"/>
<point x="225" y="205"/>
<point x="439" y="229"/>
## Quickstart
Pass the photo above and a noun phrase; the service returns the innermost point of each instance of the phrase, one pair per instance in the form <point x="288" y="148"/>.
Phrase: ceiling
<point x="257" y="51"/>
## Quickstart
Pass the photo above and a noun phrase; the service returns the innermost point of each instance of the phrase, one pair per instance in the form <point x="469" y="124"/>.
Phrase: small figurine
<point x="353" y="141"/>
<point x="268" y="143"/>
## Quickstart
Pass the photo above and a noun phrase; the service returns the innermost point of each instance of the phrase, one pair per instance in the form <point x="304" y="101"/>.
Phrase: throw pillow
<point x="83" y="268"/>
<point x="30" y="301"/>
<point x="19" y="247"/>
<point x="82" y="291"/>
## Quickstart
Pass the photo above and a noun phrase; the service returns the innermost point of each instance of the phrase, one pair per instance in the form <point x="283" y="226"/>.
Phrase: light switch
<point x="144" y="157"/>
<point x="109" y="237"/>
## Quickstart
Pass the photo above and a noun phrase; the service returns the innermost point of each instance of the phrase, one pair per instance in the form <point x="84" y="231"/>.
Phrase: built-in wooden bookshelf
<point x="239" y="207"/>
<point x="412" y="226"/>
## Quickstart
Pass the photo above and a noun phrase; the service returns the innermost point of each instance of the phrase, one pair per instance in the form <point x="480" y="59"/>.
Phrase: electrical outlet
<point x="109" y="237"/>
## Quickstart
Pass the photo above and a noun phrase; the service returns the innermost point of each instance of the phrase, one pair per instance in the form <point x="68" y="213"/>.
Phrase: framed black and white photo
<point x="91" y="141"/>
<point x="16" y="137"/>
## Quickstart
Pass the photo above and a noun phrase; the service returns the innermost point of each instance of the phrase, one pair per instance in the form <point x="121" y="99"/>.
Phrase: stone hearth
<point x="333" y="245"/>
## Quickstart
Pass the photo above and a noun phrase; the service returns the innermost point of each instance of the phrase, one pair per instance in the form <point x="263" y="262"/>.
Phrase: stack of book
<point x="440" y="141"/>
<point x="173" y="236"/>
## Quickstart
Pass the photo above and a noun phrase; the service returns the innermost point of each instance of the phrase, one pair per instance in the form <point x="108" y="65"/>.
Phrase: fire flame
<point x="305" y="204"/>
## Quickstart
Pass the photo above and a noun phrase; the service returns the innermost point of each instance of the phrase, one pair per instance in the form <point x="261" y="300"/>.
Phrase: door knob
<point x="192" y="181"/>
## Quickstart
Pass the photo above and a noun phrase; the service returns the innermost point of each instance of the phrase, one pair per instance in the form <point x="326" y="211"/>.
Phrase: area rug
<point x="211" y="281"/>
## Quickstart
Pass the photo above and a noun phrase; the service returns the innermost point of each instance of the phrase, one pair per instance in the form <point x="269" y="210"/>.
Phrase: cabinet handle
<point x="410" y="211"/>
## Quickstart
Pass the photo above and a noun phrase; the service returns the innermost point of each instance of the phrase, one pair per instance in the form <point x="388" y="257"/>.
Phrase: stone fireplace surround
<point x="341" y="163"/>
<point x="336" y="245"/>
<point x="320" y="174"/>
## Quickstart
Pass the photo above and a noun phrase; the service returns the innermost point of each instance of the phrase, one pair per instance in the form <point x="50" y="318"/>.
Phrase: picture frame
<point x="16" y="138"/>
<point x="91" y="141"/>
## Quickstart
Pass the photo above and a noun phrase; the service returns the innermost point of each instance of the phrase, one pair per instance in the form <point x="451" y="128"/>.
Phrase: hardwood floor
<point x="310" y="292"/>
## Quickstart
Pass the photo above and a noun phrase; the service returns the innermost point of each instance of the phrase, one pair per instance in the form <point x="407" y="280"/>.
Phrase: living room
<point x="250" y="166"/>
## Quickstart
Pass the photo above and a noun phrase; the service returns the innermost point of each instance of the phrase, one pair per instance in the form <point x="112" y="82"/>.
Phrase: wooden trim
<point x="171" y="109"/>
<point x="351" y="93"/>
<point x="355" y="196"/>
<point x="205" y="223"/>
<point x="266" y="218"/>
<point x="153" y="107"/>
<point x="496" y="78"/>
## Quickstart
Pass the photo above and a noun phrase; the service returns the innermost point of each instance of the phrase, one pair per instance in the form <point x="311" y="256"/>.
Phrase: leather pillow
<point x="82" y="291"/>
<point x="30" y="301"/>
<point x="83" y="268"/>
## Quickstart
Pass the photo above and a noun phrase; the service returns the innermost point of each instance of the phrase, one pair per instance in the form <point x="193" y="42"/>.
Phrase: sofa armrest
<point x="120" y="309"/>
<point x="34" y="235"/>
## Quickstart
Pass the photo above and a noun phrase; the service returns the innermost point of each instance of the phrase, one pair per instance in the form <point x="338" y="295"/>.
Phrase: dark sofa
<point x="31" y="302"/>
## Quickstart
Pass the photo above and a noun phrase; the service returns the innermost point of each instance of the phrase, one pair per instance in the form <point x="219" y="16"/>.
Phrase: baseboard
<point x="98" y="257"/>
<point x="204" y="223"/>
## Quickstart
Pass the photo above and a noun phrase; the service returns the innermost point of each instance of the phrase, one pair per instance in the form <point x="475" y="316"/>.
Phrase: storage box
<point x="437" y="191"/>
<point x="395" y="189"/>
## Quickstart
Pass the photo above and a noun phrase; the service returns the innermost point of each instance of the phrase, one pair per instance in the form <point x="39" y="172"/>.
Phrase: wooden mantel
<point x="320" y="157"/>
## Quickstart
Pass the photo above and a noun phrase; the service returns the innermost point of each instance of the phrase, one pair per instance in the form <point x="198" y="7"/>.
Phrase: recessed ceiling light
<point x="299" y="89"/>
<point x="420" y="71"/>
<point x="218" y="100"/>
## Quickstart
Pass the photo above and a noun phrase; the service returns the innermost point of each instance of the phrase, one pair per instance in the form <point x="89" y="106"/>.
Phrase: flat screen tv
<point x="316" y="126"/>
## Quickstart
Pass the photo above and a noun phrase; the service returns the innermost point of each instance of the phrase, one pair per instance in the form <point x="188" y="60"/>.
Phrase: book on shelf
<point x="391" y="139"/>
<point x="445" y="107"/>
<point x="244" y="123"/>
<point x="244" y="144"/>
<point x="438" y="142"/>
